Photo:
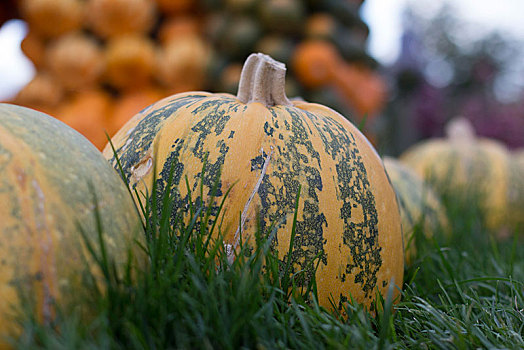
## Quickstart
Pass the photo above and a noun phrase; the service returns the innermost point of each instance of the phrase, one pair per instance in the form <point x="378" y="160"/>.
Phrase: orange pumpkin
<point x="76" y="61"/>
<point x="321" y="26"/>
<point x="181" y="64"/>
<point x="178" y="27"/>
<point x="87" y="112"/>
<point x="51" y="18"/>
<point x="175" y="6"/>
<point x="315" y="63"/>
<point x="130" y="62"/>
<point x="112" y="18"/>
<point x="33" y="47"/>
<point x="42" y="93"/>
<point x="129" y="104"/>
<point x="362" y="87"/>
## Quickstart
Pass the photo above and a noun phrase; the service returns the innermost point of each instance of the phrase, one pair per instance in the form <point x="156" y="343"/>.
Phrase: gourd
<point x="461" y="163"/>
<point x="181" y="64"/>
<point x="52" y="18"/>
<point x="42" y="93"/>
<point x="266" y="147"/>
<point x="76" y="61"/>
<point x="49" y="177"/>
<point x="130" y="62"/>
<point x="88" y="112"/>
<point x="33" y="47"/>
<point x="317" y="63"/>
<point x="516" y="190"/>
<point x="129" y="104"/>
<point x="420" y="206"/>
<point x="113" y="18"/>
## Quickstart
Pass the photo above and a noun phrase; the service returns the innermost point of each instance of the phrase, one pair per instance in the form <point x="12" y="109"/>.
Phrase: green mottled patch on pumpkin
<point x="355" y="191"/>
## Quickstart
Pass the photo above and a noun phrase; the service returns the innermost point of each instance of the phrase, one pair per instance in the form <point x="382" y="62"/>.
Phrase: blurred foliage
<point x="445" y="70"/>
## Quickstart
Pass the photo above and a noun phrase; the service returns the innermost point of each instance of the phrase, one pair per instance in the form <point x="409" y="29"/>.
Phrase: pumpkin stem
<point x="263" y="80"/>
<point x="460" y="128"/>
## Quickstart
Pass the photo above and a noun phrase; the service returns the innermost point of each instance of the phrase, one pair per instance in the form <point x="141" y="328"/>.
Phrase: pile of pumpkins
<point x="99" y="61"/>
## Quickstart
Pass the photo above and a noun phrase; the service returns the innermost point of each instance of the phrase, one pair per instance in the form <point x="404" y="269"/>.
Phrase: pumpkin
<point x="174" y="6"/>
<point x="87" y="112"/>
<point x="49" y="176"/>
<point x="33" y="47"/>
<point x="321" y="26"/>
<point x="363" y="87"/>
<point x="419" y="205"/>
<point x="181" y="64"/>
<point x="178" y="27"/>
<point x="267" y="147"/>
<point x="52" y="18"/>
<point x="43" y="93"/>
<point x="315" y="63"/>
<point x="460" y="163"/>
<point x="76" y="61"/>
<point x="130" y="62"/>
<point x="129" y="104"/>
<point x="516" y="190"/>
<point x="112" y="18"/>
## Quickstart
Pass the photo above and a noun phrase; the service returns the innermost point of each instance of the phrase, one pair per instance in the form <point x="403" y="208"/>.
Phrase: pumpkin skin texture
<point x="267" y="147"/>
<point x="418" y="204"/>
<point x="462" y="162"/>
<point x="48" y="177"/>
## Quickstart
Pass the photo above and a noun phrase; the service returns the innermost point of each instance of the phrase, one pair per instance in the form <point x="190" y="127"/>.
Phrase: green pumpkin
<point x="419" y="205"/>
<point x="49" y="176"/>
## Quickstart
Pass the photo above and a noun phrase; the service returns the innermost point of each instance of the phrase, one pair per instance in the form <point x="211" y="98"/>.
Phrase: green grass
<point x="464" y="290"/>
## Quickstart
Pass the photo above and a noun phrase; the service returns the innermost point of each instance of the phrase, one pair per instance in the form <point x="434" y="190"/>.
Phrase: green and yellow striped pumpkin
<point x="419" y="205"/>
<point x="516" y="190"/>
<point x="462" y="163"/>
<point x="49" y="176"/>
<point x="266" y="147"/>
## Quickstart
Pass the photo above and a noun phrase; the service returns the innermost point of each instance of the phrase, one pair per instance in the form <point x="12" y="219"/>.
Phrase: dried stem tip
<point x="263" y="80"/>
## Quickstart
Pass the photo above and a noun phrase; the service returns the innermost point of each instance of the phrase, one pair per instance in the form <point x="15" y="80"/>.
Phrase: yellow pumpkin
<point x="419" y="205"/>
<point x="266" y="147"/>
<point x="49" y="175"/>
<point x="516" y="190"/>
<point x="461" y="161"/>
